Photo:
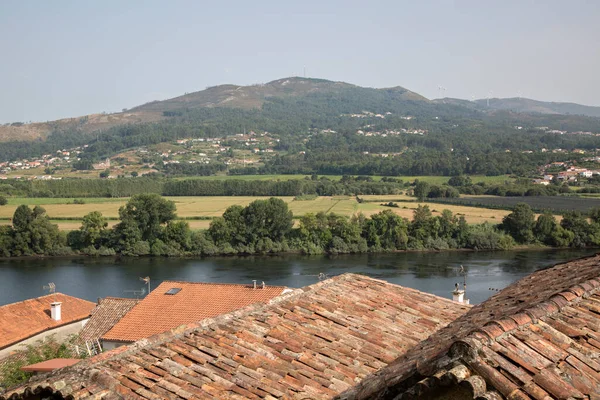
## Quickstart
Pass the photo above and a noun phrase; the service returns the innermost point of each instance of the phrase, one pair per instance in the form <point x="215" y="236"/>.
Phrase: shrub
<point x="311" y="248"/>
<point x="10" y="369"/>
<point x="486" y="237"/>
<point x="139" y="248"/>
<point x="338" y="246"/>
<point x="436" y="244"/>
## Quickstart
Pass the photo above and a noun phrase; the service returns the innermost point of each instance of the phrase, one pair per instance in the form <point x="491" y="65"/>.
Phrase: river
<point x="436" y="273"/>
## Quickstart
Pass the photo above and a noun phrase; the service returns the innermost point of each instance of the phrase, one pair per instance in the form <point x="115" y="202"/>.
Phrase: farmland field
<point x="436" y="180"/>
<point x="199" y="210"/>
<point x="556" y="204"/>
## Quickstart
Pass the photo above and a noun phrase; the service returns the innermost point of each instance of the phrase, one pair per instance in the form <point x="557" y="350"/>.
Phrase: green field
<point x="436" y="180"/>
<point x="34" y="201"/>
<point x="199" y="210"/>
<point x="555" y="204"/>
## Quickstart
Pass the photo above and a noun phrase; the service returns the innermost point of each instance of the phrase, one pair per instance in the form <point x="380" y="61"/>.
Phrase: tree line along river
<point x="436" y="273"/>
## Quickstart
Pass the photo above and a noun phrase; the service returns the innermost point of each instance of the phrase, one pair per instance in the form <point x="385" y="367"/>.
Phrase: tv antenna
<point x="51" y="288"/>
<point x="146" y="280"/>
<point x="441" y="91"/>
<point x="490" y="93"/>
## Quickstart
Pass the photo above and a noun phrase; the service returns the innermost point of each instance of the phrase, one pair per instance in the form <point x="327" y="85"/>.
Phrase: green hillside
<point x="306" y="126"/>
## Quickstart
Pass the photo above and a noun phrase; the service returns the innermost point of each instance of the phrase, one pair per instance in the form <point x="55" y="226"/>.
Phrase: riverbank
<point x="518" y="248"/>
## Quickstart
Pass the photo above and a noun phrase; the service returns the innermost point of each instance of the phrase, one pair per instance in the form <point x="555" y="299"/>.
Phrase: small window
<point x="173" y="291"/>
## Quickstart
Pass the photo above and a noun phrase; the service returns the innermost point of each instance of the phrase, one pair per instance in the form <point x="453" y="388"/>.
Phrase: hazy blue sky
<point x="69" y="58"/>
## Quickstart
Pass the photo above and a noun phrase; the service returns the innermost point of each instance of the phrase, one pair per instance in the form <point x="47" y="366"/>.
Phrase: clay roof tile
<point x="310" y="343"/>
<point x="19" y="321"/>
<point x="550" y="351"/>
<point x="174" y="303"/>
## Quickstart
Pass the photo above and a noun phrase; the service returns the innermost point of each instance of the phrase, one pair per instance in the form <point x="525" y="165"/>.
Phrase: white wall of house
<point x="61" y="334"/>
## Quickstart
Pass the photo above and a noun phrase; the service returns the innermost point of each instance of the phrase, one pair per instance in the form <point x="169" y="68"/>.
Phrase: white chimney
<point x="55" y="310"/>
<point x="254" y="282"/>
<point x="459" y="295"/>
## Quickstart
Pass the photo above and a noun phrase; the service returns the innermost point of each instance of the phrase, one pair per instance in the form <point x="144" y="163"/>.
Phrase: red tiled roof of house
<point x="311" y="343"/>
<point x="107" y="313"/>
<point x="537" y="339"/>
<point x="158" y="312"/>
<point x="19" y="321"/>
<point x="50" y="365"/>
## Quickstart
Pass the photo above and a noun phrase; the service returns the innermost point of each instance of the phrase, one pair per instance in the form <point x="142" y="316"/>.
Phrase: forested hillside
<point x="325" y="127"/>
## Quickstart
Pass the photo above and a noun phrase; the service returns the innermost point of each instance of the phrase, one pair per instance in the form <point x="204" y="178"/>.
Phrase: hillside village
<point x="251" y="149"/>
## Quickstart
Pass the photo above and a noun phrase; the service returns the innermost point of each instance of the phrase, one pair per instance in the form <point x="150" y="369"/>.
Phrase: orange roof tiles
<point x="107" y="313"/>
<point x="51" y="365"/>
<point x="537" y="339"/>
<point x="311" y="343"/>
<point x="19" y="321"/>
<point x="158" y="312"/>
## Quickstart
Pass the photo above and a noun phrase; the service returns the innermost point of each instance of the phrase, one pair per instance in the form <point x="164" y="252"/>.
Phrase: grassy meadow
<point x="68" y="215"/>
<point x="435" y="180"/>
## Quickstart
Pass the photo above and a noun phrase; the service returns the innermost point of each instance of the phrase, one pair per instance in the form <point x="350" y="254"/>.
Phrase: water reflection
<point x="435" y="273"/>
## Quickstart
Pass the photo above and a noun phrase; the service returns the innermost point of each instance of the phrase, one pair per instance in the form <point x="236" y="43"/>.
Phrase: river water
<point x="436" y="273"/>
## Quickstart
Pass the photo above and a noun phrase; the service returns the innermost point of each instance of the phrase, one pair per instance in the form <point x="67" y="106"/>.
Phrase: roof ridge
<point x="158" y="339"/>
<point x="218" y="283"/>
<point x="493" y="329"/>
<point x="41" y="297"/>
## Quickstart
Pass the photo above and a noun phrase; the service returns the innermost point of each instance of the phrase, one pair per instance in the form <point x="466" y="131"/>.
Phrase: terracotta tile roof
<point x="19" y="321"/>
<point x="158" y="312"/>
<point x="311" y="343"/>
<point x="51" y="365"/>
<point x="107" y="313"/>
<point x="539" y="338"/>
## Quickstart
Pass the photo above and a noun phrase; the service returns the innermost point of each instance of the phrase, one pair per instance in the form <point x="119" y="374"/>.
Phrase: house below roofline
<point x="29" y="321"/>
<point x="60" y="333"/>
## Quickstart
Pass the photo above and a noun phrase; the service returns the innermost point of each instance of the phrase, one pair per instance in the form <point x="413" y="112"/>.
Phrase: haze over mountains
<point x="524" y="105"/>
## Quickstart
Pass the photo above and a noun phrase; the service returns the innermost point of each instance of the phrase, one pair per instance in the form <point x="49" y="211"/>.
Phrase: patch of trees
<point x="195" y="169"/>
<point x="574" y="230"/>
<point x="292" y="187"/>
<point x="126" y="187"/>
<point x="32" y="233"/>
<point x="148" y="225"/>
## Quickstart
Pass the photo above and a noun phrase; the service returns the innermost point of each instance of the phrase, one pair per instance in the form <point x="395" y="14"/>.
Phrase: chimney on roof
<point x="254" y="283"/>
<point x="458" y="295"/>
<point x="55" y="310"/>
<point x="263" y="284"/>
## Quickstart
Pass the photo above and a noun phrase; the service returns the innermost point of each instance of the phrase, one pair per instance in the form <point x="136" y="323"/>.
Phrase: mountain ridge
<point x="525" y="105"/>
<point x="254" y="97"/>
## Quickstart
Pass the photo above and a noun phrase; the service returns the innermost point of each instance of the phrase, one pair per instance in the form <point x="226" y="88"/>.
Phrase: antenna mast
<point x="146" y="280"/>
<point x="51" y="288"/>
